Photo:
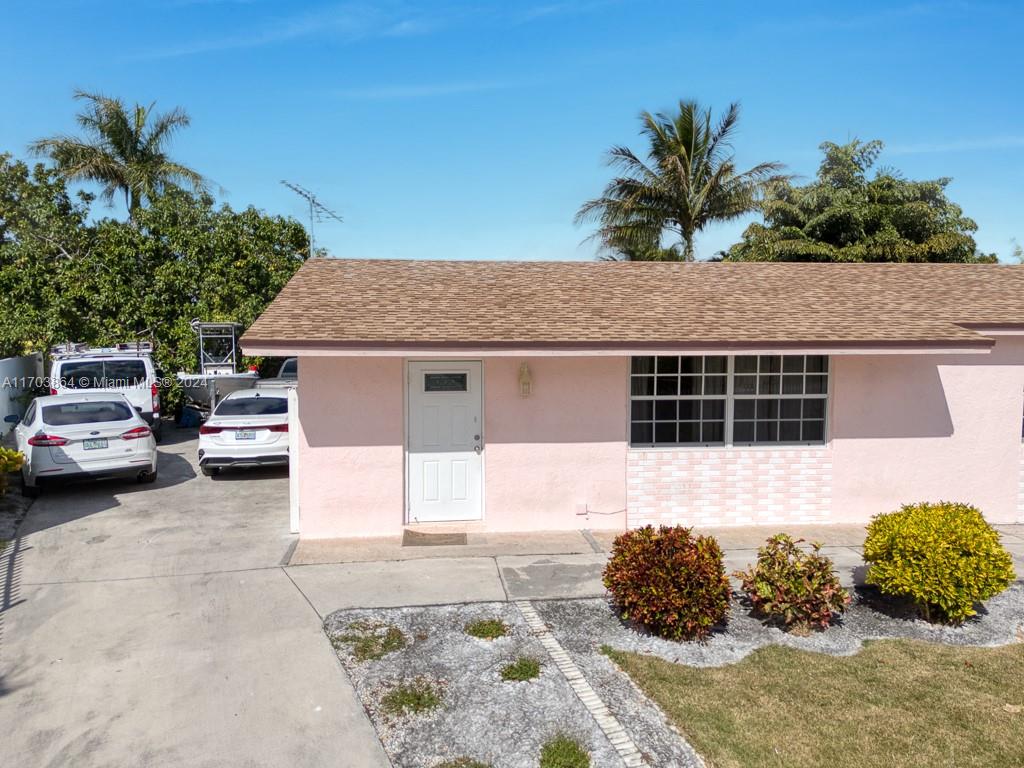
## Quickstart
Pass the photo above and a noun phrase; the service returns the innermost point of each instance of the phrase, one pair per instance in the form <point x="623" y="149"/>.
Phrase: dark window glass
<point x="689" y="385"/>
<point x="713" y="432"/>
<point x="744" y="385"/>
<point x="689" y="432"/>
<point x="124" y="373"/>
<point x="642" y="385"/>
<point x="665" y="410"/>
<point x="665" y="432"/>
<point x="744" y="409"/>
<point x="69" y="414"/>
<point x="792" y="385"/>
<point x="817" y="364"/>
<point x="87" y="374"/>
<point x="743" y="432"/>
<point x="767" y="409"/>
<point x="767" y="431"/>
<point x="817" y="385"/>
<point x="641" y="433"/>
<point x="793" y="364"/>
<point x="814" y="408"/>
<point x="814" y="430"/>
<point x="768" y="385"/>
<point x="714" y="385"/>
<point x="689" y="410"/>
<point x="290" y="369"/>
<point x="790" y="409"/>
<point x="769" y="364"/>
<point x="252" y="406"/>
<point x="445" y="382"/>
<point x="691" y="365"/>
<point x="715" y="364"/>
<point x="745" y="364"/>
<point x="789" y="431"/>
<point x="668" y="365"/>
<point x="668" y="385"/>
<point x="642" y="410"/>
<point x="643" y="365"/>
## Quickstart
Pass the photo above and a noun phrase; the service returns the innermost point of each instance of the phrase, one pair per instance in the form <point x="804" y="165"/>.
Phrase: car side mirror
<point x="12" y="418"/>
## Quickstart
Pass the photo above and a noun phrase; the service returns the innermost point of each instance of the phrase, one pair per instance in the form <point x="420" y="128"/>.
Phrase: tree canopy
<point x="64" y="278"/>
<point x="688" y="181"/>
<point x="124" y="150"/>
<point x="843" y="215"/>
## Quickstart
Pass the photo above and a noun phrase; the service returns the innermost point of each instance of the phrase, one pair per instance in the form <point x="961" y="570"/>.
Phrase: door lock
<point x="478" y="449"/>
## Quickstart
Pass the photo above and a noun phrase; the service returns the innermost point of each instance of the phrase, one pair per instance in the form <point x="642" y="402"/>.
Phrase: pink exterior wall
<point x="546" y="457"/>
<point x="903" y="428"/>
<point x="351" y="455"/>
<point x="559" y="451"/>
<point x="916" y="428"/>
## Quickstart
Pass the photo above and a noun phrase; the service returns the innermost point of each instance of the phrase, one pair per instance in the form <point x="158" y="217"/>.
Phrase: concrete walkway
<point x="155" y="626"/>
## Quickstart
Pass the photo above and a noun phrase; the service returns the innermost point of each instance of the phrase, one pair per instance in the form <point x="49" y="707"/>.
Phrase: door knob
<point x="477" y="448"/>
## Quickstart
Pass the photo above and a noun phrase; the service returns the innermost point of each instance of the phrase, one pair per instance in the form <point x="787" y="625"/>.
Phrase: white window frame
<point x="730" y="402"/>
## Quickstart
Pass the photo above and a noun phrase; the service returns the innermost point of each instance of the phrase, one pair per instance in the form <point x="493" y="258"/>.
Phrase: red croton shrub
<point x="669" y="580"/>
<point x="796" y="587"/>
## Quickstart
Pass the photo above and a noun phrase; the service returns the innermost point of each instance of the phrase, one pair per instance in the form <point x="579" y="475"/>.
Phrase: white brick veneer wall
<point x="728" y="486"/>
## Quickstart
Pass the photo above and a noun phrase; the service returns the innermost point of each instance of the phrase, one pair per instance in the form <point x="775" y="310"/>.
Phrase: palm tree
<point x="688" y="181"/>
<point x="124" y="150"/>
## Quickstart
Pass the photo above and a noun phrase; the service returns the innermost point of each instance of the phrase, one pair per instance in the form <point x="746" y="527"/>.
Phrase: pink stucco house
<point x="502" y="396"/>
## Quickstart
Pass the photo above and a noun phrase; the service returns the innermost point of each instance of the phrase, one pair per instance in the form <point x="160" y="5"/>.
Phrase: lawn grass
<point x="522" y="669"/>
<point x="897" y="703"/>
<point x="487" y="629"/>
<point x="419" y="695"/>
<point x="370" y="640"/>
<point x="563" y="752"/>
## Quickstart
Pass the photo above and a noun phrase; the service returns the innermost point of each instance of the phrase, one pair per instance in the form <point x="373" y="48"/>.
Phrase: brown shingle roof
<point x="486" y="304"/>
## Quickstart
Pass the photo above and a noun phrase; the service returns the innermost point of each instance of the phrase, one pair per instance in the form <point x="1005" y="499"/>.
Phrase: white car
<point x="248" y="428"/>
<point x="76" y="437"/>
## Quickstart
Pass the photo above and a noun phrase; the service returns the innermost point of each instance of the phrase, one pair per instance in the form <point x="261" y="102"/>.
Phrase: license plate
<point x="92" y="445"/>
<point x="245" y="434"/>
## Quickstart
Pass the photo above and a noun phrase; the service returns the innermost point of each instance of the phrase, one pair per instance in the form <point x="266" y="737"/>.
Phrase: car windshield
<point x="69" y="414"/>
<point x="103" y="374"/>
<point x="290" y="369"/>
<point x="252" y="406"/>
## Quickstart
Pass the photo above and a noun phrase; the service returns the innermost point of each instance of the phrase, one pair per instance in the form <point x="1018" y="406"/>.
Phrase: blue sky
<point x="475" y="129"/>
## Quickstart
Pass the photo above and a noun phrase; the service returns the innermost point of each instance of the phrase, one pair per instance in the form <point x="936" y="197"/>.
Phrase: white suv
<point x="131" y="373"/>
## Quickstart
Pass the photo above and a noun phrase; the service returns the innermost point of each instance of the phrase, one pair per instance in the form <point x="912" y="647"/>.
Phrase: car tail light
<point x="205" y="430"/>
<point x="47" y="440"/>
<point x="155" y="390"/>
<point x="53" y="391"/>
<point x="135" y="433"/>
<point x="278" y="428"/>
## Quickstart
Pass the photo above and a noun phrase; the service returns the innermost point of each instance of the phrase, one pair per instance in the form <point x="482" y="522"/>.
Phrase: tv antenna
<point x="318" y="212"/>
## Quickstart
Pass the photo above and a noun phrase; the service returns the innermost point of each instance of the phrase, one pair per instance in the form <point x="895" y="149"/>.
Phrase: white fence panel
<point x="18" y="376"/>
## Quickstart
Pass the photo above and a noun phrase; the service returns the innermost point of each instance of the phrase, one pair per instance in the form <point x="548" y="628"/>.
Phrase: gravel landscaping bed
<point x="502" y="724"/>
<point x="583" y="626"/>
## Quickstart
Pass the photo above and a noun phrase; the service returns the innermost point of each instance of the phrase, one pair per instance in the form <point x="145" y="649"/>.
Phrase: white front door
<point x="445" y="441"/>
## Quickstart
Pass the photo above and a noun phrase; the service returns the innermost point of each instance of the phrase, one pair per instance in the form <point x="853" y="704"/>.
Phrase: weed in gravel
<point x="419" y="695"/>
<point x="370" y="640"/>
<point x="522" y="669"/>
<point x="487" y="629"/>
<point x="462" y="762"/>
<point x="563" y="752"/>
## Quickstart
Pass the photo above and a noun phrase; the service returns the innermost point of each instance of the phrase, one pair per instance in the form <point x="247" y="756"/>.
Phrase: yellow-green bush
<point x="943" y="556"/>
<point x="10" y="461"/>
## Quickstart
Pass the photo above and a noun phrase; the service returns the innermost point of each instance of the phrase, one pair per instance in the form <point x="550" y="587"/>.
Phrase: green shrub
<point x="487" y="629"/>
<point x="563" y="752"/>
<point x="522" y="669"/>
<point x="796" y="587"/>
<point x="670" y="581"/>
<point x="370" y="640"/>
<point x="10" y="461"/>
<point x="419" y="695"/>
<point x="944" y="557"/>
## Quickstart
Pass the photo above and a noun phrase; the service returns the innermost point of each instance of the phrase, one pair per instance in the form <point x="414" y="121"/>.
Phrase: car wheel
<point x="148" y="477"/>
<point x="210" y="471"/>
<point x="28" y="491"/>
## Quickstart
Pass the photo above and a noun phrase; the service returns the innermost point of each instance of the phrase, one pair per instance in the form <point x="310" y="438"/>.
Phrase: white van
<point x="125" y="368"/>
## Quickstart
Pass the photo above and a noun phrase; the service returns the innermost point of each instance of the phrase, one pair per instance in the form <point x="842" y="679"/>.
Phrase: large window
<point x="719" y="400"/>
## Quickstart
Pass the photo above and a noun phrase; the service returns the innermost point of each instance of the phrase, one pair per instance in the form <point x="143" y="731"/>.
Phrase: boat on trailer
<point x="218" y="367"/>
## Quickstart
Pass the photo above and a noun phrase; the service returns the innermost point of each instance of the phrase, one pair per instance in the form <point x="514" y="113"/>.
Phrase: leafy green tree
<point x="63" y="278"/>
<point x="843" y="215"/>
<point x="124" y="151"/>
<point x="688" y="181"/>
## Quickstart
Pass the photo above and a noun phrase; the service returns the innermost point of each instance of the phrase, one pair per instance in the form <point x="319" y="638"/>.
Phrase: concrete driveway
<point x="155" y="626"/>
